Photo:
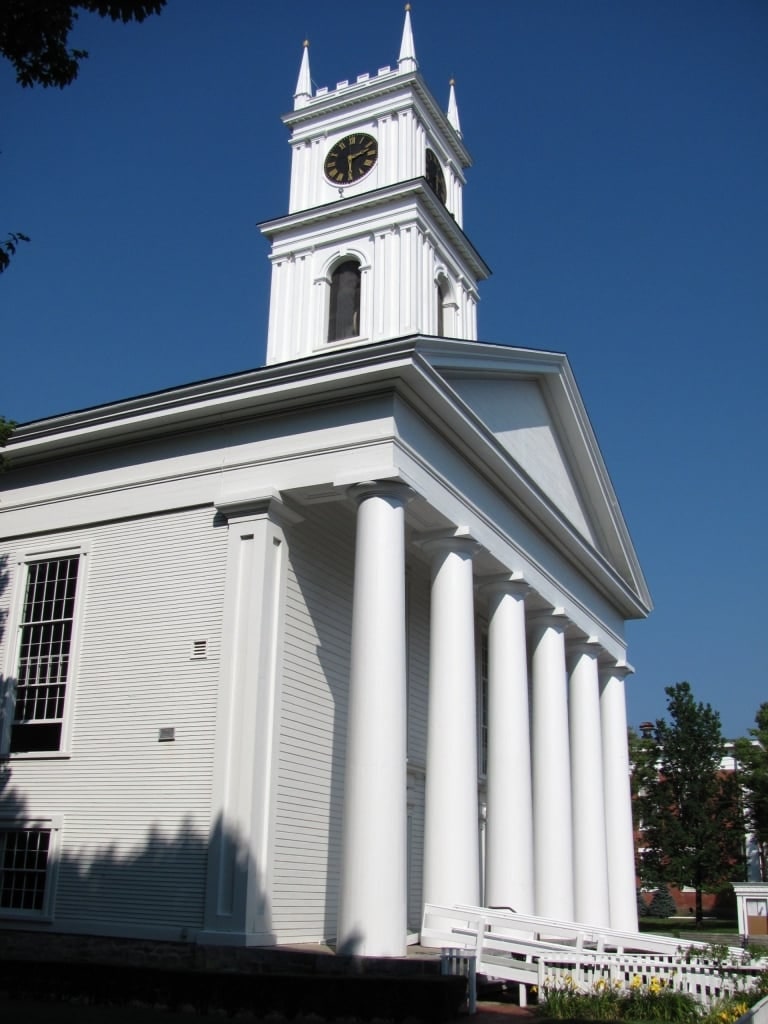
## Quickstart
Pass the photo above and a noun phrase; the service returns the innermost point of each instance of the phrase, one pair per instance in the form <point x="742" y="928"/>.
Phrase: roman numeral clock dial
<point x="351" y="158"/>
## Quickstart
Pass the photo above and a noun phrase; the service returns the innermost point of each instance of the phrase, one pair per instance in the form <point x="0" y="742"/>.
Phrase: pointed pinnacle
<point x="407" y="59"/>
<point x="303" y="93"/>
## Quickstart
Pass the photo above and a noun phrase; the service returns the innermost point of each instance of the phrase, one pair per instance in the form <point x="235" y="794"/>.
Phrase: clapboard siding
<point x="136" y="812"/>
<point x="315" y="676"/>
<point x="418" y="692"/>
<point x="418" y="664"/>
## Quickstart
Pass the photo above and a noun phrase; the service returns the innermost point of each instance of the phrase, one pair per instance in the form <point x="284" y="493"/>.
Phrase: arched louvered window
<point x="344" y="311"/>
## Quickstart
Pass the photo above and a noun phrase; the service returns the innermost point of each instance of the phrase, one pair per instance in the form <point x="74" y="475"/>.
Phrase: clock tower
<point x="372" y="247"/>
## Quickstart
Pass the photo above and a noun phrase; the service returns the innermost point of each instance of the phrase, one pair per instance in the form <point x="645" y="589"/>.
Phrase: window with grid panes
<point x="23" y="868"/>
<point x="44" y="654"/>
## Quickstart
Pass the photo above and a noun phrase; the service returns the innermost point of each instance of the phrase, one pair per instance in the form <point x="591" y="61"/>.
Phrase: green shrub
<point x="662" y="904"/>
<point x="565" y="1000"/>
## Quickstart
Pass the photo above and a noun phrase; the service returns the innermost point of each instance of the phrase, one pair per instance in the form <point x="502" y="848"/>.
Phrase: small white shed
<point x="752" y="907"/>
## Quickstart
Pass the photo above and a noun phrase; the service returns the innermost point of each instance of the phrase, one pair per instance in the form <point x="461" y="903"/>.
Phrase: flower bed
<point x="636" y="1000"/>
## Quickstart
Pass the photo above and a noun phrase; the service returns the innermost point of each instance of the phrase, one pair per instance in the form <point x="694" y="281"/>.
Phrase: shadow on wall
<point x="318" y="734"/>
<point x="97" y="875"/>
<point x="160" y="884"/>
<point x="4" y="579"/>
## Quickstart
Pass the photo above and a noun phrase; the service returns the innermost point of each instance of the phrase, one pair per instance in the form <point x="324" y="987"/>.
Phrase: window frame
<point x="334" y="270"/>
<point x="51" y="823"/>
<point x="13" y="648"/>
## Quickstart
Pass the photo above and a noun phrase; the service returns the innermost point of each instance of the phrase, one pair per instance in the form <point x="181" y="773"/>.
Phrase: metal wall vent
<point x="199" y="648"/>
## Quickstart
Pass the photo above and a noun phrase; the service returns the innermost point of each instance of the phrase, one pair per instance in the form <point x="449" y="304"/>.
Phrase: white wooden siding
<point x="135" y="811"/>
<point x="315" y="677"/>
<point x="310" y="787"/>
<point x="418" y="689"/>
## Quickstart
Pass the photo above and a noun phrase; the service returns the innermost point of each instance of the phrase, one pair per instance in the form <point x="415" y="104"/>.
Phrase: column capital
<point x="458" y="540"/>
<point x="575" y="646"/>
<point x="395" y="490"/>
<point x="555" y="618"/>
<point x="269" y="503"/>
<point x="620" y="669"/>
<point x="504" y="583"/>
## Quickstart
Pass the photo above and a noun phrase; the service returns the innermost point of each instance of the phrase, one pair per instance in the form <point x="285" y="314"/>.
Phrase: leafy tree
<point x="34" y="35"/>
<point x="753" y="761"/>
<point x="689" y="810"/>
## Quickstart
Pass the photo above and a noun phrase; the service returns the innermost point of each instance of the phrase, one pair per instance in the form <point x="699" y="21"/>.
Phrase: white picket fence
<point x="539" y="951"/>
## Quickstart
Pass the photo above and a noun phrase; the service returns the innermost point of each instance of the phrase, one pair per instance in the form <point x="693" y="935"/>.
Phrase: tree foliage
<point x="34" y="35"/>
<point x="8" y="248"/>
<point x="6" y="428"/>
<point x="752" y="755"/>
<point x="692" y="828"/>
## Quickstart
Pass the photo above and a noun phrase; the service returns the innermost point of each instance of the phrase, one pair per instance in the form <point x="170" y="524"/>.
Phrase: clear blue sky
<point x="618" y="193"/>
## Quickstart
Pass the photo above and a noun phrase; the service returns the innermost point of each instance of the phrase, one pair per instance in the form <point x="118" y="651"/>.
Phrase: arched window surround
<point x="326" y="278"/>
<point x="446" y="306"/>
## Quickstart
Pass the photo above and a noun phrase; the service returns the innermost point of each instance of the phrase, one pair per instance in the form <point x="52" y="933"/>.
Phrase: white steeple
<point x="453" y="110"/>
<point x="407" y="59"/>
<point x="303" y="93"/>
<point x="372" y="247"/>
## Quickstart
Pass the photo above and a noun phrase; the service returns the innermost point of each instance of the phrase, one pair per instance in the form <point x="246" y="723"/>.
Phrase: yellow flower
<point x="636" y="982"/>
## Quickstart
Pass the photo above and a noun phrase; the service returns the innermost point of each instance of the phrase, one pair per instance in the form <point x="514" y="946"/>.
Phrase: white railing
<point x="539" y="951"/>
<point x="757" y="1014"/>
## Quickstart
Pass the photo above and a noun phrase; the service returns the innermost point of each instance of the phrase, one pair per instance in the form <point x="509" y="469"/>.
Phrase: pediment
<point x="529" y="404"/>
<point x="517" y="414"/>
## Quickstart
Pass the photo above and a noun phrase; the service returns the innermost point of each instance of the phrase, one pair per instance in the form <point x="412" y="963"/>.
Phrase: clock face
<point x="434" y="176"/>
<point x="351" y="158"/>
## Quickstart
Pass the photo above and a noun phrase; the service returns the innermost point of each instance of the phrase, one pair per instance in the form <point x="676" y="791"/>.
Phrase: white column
<point x="553" y="870"/>
<point x="618" y="799"/>
<point x="372" y="907"/>
<point x="590" y="868"/>
<point x="451" y="841"/>
<point x="509" y="824"/>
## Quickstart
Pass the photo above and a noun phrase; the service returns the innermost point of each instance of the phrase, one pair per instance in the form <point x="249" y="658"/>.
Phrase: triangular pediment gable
<point x="516" y="412"/>
<point x="528" y="402"/>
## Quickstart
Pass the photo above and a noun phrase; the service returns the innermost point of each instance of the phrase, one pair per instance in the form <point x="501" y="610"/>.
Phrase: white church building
<point x="286" y="654"/>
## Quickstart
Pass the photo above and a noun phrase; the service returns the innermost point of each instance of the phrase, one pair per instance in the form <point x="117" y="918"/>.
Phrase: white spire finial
<point x="407" y="59"/>
<point x="303" y="93"/>
<point x="453" y="110"/>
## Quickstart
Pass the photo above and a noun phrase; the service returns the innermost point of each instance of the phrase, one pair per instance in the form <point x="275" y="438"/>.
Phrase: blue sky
<point x="618" y="193"/>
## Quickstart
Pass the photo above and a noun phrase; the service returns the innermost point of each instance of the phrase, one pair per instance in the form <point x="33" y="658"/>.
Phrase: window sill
<point x="37" y="755"/>
<point x="340" y="342"/>
<point x="28" y="917"/>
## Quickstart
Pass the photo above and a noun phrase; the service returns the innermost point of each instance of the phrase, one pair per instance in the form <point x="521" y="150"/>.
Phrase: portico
<point x="555" y="790"/>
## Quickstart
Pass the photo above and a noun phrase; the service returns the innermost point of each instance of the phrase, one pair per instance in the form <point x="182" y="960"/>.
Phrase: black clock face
<point x="351" y="158"/>
<point x="434" y="176"/>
